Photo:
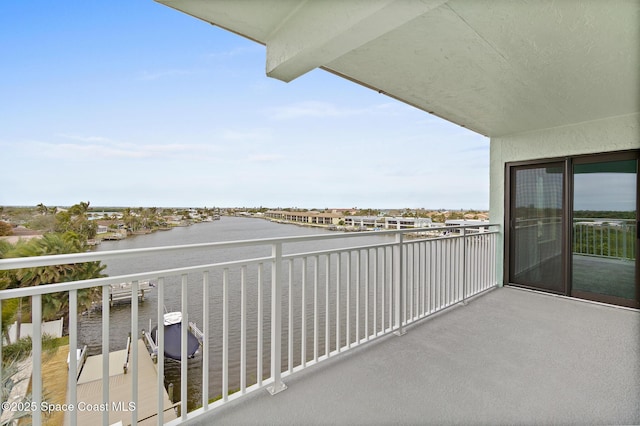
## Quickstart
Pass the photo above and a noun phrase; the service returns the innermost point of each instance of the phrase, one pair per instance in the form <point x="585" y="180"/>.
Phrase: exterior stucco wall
<point x="611" y="134"/>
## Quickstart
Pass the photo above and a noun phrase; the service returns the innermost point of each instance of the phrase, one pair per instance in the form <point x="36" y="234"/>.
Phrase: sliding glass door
<point x="573" y="227"/>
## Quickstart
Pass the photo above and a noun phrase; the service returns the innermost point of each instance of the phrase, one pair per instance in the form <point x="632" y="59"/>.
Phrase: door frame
<point x="567" y="221"/>
<point x="511" y="167"/>
<point x="600" y="158"/>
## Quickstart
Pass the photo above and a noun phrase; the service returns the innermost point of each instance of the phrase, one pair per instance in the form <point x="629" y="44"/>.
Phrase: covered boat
<point x="173" y="336"/>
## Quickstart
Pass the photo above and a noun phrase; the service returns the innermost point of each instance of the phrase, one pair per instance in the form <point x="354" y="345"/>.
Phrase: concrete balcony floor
<point x="510" y="356"/>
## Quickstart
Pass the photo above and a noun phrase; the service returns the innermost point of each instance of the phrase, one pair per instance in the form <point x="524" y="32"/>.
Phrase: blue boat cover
<point x="172" y="338"/>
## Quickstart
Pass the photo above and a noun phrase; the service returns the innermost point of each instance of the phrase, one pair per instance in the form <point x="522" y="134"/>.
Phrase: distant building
<point x="310" y="217"/>
<point x="388" y="222"/>
<point x="467" y="222"/>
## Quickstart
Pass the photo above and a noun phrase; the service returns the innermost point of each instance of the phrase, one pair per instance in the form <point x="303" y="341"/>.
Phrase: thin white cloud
<point x="100" y="148"/>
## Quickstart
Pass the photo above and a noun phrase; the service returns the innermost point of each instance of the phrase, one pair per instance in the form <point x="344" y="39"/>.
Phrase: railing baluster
<point x="357" y="281"/>
<point x="390" y="288"/>
<point x="470" y="276"/>
<point x="438" y="248"/>
<point x="260" y="325"/>
<point x="422" y="280"/>
<point x="375" y="291"/>
<point x="36" y="356"/>
<point x="327" y="329"/>
<point x="160" y="348"/>
<point x="183" y="346"/>
<point x="348" y="302"/>
<point x="463" y="263"/>
<point x="316" y="278"/>
<point x="303" y="338"/>
<point x="414" y="277"/>
<point x="450" y="272"/>
<point x="205" y="340"/>
<point x="72" y="380"/>
<point x="487" y="279"/>
<point x="366" y="294"/>
<point x="105" y="351"/>
<point x="225" y="334"/>
<point x="338" y="267"/>
<point x="243" y="330"/>
<point x="400" y="283"/>
<point x="383" y="262"/>
<point x="134" y="350"/>
<point x="290" y="328"/>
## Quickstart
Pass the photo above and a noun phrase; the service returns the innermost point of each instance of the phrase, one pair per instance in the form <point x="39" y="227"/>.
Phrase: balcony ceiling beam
<point x="317" y="33"/>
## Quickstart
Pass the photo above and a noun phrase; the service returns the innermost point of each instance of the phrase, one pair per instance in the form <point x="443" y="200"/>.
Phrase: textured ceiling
<point x="497" y="67"/>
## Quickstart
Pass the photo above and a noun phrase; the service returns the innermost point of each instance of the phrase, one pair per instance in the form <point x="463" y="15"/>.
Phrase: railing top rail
<point x="61" y="259"/>
<point x="106" y="281"/>
<point x="603" y="219"/>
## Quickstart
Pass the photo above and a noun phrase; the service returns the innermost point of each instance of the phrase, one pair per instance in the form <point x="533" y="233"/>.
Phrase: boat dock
<point x="89" y="390"/>
<point x="122" y="291"/>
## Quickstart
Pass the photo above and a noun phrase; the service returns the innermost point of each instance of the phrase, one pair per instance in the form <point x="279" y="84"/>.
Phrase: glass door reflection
<point x="604" y="230"/>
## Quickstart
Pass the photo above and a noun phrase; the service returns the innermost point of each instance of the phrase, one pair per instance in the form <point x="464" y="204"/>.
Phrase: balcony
<point x="509" y="356"/>
<point x="278" y="313"/>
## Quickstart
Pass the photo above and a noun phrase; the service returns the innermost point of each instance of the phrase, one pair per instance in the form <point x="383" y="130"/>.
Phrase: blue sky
<point x="130" y="103"/>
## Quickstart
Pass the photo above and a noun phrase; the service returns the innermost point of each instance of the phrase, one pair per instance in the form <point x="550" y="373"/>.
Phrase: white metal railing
<point x="306" y="307"/>
<point x="605" y="237"/>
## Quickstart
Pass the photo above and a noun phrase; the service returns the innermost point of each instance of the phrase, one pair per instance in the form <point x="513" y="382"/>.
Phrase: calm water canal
<point x="226" y="229"/>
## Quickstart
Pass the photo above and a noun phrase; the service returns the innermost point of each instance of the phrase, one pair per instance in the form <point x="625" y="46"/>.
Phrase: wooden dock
<point x="89" y="390"/>
<point x="122" y="291"/>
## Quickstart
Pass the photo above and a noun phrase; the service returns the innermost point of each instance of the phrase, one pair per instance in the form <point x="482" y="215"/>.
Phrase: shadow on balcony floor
<point x="509" y="357"/>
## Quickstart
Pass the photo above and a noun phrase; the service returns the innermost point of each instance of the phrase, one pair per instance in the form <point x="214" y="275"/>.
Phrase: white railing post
<point x="276" y="320"/>
<point x="398" y="282"/>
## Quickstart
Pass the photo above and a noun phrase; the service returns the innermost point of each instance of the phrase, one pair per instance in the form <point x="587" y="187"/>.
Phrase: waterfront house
<point x="540" y="330"/>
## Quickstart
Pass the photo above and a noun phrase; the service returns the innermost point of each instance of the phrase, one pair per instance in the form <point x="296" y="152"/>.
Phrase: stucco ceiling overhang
<point x="497" y="67"/>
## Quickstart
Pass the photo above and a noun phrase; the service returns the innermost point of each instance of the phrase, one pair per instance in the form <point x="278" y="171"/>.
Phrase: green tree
<point x="54" y="305"/>
<point x="76" y="219"/>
